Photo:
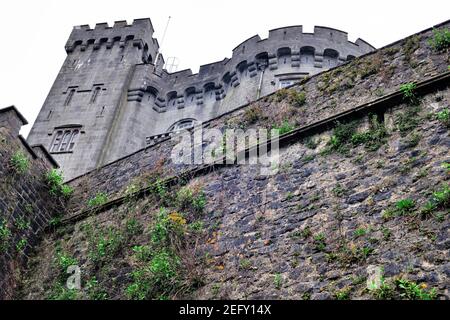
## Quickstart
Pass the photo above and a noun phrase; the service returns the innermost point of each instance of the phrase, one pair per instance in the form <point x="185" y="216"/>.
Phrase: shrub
<point x="99" y="199"/>
<point x="104" y="245"/>
<point x="283" y="128"/>
<point x="342" y="135"/>
<point x="191" y="198"/>
<point x="372" y="139"/>
<point x="20" y="246"/>
<point x="404" y="206"/>
<point x="94" y="291"/>
<point x="444" y="117"/>
<point x="408" y="90"/>
<point x="319" y="241"/>
<point x="407" y="121"/>
<point x="64" y="260"/>
<point x="133" y="227"/>
<point x="413" y="291"/>
<point x="60" y="292"/>
<point x="20" y="162"/>
<point x="5" y="235"/>
<point x="441" y="39"/>
<point x="55" y="182"/>
<point x="253" y="114"/>
<point x="142" y="253"/>
<point x="343" y="294"/>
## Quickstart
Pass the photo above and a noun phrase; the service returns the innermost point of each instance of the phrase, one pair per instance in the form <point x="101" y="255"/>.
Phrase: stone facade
<point x="25" y="204"/>
<point x="314" y="230"/>
<point x="111" y="98"/>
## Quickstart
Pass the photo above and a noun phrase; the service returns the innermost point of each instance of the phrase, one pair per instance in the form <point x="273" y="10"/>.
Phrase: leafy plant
<point x="441" y="39"/>
<point x="191" y="199"/>
<point x="99" y="199"/>
<point x="143" y="253"/>
<point x="405" y="206"/>
<point x="5" y="235"/>
<point x="20" y="246"/>
<point x="343" y="294"/>
<point x="64" y="260"/>
<point x="104" y="244"/>
<point x="412" y="291"/>
<point x="94" y="291"/>
<point x="444" y="117"/>
<point x="55" y="181"/>
<point x="278" y="281"/>
<point x="408" y="91"/>
<point x="283" y="128"/>
<point x="20" y="162"/>
<point x="319" y="241"/>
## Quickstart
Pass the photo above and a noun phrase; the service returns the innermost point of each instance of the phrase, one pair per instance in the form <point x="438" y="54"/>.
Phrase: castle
<point x="111" y="98"/>
<point x="357" y="210"/>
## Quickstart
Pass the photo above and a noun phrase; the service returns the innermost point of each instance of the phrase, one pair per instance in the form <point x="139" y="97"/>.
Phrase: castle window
<point x="69" y="97"/>
<point x="307" y="55"/>
<point x="95" y="94"/>
<point x="64" y="140"/>
<point x="330" y="57"/>
<point x="182" y="125"/>
<point x="284" y="56"/>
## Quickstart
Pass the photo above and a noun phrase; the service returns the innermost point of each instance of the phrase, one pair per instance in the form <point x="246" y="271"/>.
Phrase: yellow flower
<point x="423" y="285"/>
<point x="177" y="218"/>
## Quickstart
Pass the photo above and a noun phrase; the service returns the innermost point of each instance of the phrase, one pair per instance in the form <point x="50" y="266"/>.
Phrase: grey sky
<point x="33" y="33"/>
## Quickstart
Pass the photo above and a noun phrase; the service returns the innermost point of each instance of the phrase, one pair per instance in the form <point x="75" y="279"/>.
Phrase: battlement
<point x="287" y="50"/>
<point x="139" y="34"/>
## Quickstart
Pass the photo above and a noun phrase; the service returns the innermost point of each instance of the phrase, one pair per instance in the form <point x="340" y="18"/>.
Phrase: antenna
<point x="172" y="64"/>
<point x="162" y="42"/>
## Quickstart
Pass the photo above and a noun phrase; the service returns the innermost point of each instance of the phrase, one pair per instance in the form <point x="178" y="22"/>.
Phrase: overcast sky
<point x="33" y="33"/>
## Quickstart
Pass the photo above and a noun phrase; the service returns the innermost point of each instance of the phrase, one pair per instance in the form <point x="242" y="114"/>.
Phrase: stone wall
<point x="363" y="81"/>
<point x="315" y="230"/>
<point x="362" y="194"/>
<point x="25" y="204"/>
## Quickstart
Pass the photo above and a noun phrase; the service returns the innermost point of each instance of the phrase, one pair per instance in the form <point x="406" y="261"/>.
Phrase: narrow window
<point x="69" y="97"/>
<point x="73" y="140"/>
<point x="95" y="94"/>
<point x="65" y="140"/>
<point x="56" y="141"/>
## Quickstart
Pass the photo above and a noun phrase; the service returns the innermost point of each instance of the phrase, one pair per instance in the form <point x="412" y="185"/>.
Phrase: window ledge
<point x="61" y="152"/>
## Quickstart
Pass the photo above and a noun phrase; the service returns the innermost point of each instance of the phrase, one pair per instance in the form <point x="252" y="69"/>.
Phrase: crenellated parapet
<point x="287" y="55"/>
<point x="138" y="34"/>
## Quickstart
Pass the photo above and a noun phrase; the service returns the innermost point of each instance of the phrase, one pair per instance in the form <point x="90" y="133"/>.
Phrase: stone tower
<point x="90" y="91"/>
<point x="111" y="99"/>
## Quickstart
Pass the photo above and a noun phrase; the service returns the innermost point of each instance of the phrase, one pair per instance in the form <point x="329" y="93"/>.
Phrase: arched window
<point x="242" y="68"/>
<point x="182" y="125"/>
<point x="307" y="55"/>
<point x="284" y="56"/>
<point x="209" y="91"/>
<point x="69" y="97"/>
<point x="172" y="99"/>
<point x="330" y="58"/>
<point x="65" y="140"/>
<point x="190" y="96"/>
<point x="262" y="60"/>
<point x="56" y="141"/>
<point x="95" y="94"/>
<point x="151" y="94"/>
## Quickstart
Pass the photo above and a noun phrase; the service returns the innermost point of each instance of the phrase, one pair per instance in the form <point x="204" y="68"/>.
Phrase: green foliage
<point x="197" y="226"/>
<point x="22" y="224"/>
<point x="440" y="40"/>
<point x="99" y="199"/>
<point x="253" y="115"/>
<point x="412" y="291"/>
<point x="19" y="162"/>
<point x="133" y="227"/>
<point x="319" y="241"/>
<point x="63" y="260"/>
<point x="407" y="120"/>
<point x="310" y="143"/>
<point x="339" y="190"/>
<point x="55" y="182"/>
<point x="283" y="128"/>
<point x="5" y="235"/>
<point x="143" y="253"/>
<point x="245" y="264"/>
<point x="159" y="189"/>
<point x="157" y="279"/>
<point x="372" y="139"/>
<point x="61" y="292"/>
<point x="440" y="200"/>
<point x="278" y="281"/>
<point x="192" y="199"/>
<point x="444" y="117"/>
<point x="405" y="206"/>
<point x="360" y="232"/>
<point x="20" y="246"/>
<point x="94" y="291"/>
<point x="408" y="91"/>
<point x="384" y="292"/>
<point x="104" y="244"/>
<point x="343" y="294"/>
